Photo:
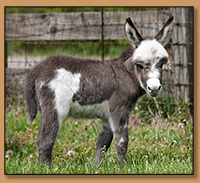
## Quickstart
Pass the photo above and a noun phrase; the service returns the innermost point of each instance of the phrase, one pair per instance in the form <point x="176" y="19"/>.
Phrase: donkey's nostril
<point x="159" y="87"/>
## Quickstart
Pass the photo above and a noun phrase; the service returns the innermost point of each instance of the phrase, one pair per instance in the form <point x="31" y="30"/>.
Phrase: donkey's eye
<point x="140" y="66"/>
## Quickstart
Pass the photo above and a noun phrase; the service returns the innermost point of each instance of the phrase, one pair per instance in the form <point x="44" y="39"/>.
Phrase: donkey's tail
<point x="31" y="97"/>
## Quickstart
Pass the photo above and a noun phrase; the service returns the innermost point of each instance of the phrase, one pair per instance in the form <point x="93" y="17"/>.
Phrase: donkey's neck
<point x="131" y="70"/>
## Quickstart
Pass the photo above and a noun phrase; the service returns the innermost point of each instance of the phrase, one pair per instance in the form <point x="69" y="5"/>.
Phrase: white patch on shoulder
<point x="150" y="51"/>
<point x="89" y="111"/>
<point x="65" y="85"/>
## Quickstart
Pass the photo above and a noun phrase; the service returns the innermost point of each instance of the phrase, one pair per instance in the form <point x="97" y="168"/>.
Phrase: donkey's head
<point x="149" y="56"/>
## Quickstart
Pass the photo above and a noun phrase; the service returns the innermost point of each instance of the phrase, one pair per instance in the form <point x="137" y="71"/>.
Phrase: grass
<point x="75" y="48"/>
<point x="159" y="147"/>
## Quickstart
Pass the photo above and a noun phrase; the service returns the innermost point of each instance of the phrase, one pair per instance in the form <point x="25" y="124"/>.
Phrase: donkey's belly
<point x="89" y="111"/>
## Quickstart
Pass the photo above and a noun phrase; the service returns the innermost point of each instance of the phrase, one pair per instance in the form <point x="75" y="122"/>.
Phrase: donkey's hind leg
<point x="49" y="125"/>
<point x="47" y="135"/>
<point x="104" y="140"/>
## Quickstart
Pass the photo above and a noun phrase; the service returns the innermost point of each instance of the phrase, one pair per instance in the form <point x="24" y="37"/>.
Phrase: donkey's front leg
<point x="104" y="140"/>
<point x="120" y="108"/>
<point x="121" y="142"/>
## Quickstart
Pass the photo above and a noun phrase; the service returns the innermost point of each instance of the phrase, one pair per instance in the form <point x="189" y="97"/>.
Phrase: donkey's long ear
<point x="164" y="35"/>
<point x="132" y="33"/>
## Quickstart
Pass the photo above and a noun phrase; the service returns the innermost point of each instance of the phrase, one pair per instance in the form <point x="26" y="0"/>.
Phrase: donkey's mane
<point x="126" y="54"/>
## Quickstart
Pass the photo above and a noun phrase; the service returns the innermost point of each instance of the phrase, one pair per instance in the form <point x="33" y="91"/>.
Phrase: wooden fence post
<point x="190" y="54"/>
<point x="6" y="54"/>
<point x="183" y="53"/>
<point x="102" y="32"/>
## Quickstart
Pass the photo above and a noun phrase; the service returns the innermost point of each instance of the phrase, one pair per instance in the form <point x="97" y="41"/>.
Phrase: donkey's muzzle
<point x="154" y="87"/>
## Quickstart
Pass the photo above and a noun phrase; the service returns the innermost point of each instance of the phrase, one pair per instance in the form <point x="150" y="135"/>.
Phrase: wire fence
<point x="29" y="37"/>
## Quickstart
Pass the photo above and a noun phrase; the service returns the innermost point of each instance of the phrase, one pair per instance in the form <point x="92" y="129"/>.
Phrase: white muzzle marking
<point x="153" y="87"/>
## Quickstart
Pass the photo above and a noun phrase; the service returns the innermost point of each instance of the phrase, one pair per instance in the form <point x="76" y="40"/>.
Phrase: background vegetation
<point x="76" y="9"/>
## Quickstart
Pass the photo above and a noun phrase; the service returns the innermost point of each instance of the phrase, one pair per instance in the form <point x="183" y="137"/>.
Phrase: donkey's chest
<point x="99" y="110"/>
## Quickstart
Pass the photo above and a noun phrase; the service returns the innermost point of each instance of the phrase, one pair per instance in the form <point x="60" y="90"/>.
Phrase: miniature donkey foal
<point x="86" y="88"/>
